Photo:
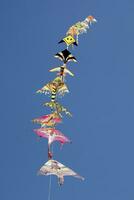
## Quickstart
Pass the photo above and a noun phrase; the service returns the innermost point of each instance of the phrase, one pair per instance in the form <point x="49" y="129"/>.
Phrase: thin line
<point x="49" y="188"/>
<point x="50" y="180"/>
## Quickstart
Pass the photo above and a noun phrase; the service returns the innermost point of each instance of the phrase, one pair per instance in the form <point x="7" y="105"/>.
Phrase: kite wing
<point x="57" y="69"/>
<point x="60" y="137"/>
<point x="46" y="133"/>
<point x="65" y="171"/>
<point x="45" y="89"/>
<point x="63" y="90"/>
<point x="47" y="169"/>
<point x="69" y="72"/>
<point x="42" y="119"/>
<point x="43" y="132"/>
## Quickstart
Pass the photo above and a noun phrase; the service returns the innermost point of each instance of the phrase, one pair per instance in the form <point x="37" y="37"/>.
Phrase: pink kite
<point x="48" y="120"/>
<point x="52" y="135"/>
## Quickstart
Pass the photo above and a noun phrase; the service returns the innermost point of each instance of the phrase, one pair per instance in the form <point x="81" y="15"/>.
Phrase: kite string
<point x="50" y="180"/>
<point x="49" y="188"/>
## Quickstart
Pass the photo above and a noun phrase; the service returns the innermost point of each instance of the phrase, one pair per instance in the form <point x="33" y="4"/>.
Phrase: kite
<point x="81" y="27"/>
<point x="57" y="86"/>
<point x="57" y="108"/>
<point x="65" y="56"/>
<point x="53" y="167"/>
<point x="52" y="135"/>
<point x="75" y="30"/>
<point x="48" y="120"/>
<point x="62" y="71"/>
<point x="69" y="40"/>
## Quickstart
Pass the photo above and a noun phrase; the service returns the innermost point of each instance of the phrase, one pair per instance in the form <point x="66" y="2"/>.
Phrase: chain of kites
<point x="56" y="88"/>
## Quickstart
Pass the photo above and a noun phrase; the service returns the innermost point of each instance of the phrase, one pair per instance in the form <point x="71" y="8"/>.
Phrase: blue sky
<point x="101" y="98"/>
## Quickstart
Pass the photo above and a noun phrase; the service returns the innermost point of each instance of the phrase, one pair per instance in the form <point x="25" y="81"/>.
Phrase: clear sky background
<point x="101" y="99"/>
